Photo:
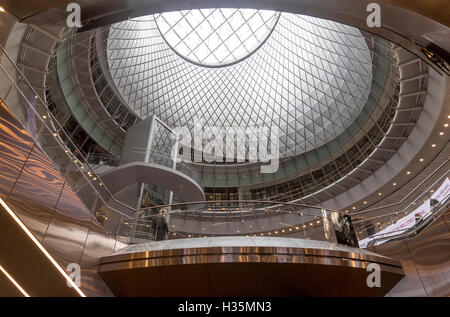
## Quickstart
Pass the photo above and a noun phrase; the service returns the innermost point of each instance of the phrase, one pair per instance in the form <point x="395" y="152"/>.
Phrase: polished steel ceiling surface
<point x="310" y="79"/>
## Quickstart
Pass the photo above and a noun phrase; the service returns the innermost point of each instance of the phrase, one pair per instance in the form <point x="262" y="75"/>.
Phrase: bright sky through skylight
<point x="216" y="37"/>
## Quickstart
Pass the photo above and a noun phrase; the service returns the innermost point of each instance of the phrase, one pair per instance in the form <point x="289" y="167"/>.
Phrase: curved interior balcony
<point x="244" y="266"/>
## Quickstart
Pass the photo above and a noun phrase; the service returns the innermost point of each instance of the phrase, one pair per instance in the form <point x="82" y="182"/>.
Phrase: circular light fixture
<point x="394" y="184"/>
<point x="433" y="145"/>
<point x="421" y="160"/>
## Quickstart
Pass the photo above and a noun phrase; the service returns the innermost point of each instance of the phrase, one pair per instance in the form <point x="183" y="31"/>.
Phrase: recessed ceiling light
<point x="421" y="160"/>
<point x="448" y="117"/>
<point x="379" y="194"/>
<point x="394" y="184"/>
<point x="353" y="207"/>
<point x="446" y="125"/>
<point x="433" y="145"/>
<point x="408" y="172"/>
<point x="441" y="133"/>
<point x="2" y="10"/>
<point x="365" y="202"/>
<point x="346" y="211"/>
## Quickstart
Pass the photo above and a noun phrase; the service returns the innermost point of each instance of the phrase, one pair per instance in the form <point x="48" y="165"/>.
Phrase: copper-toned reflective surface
<point x="38" y="195"/>
<point x="245" y="266"/>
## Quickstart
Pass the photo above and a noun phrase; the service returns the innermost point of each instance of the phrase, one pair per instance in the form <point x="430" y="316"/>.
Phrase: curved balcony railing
<point x="62" y="150"/>
<point x="420" y="224"/>
<point x="101" y="163"/>
<point x="422" y="203"/>
<point x="231" y="218"/>
<point x="32" y="111"/>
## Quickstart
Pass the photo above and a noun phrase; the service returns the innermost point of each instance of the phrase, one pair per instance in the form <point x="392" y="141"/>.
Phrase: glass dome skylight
<point x="310" y="79"/>
<point x="216" y="37"/>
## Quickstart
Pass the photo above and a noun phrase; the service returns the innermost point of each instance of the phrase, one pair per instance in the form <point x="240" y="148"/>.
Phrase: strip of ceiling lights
<point x="41" y="247"/>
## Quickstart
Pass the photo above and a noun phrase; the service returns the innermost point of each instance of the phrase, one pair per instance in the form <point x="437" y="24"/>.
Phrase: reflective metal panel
<point x="67" y="232"/>
<point x="36" y="193"/>
<point x="15" y="146"/>
<point x="55" y="215"/>
<point x="96" y="245"/>
<point x="425" y="260"/>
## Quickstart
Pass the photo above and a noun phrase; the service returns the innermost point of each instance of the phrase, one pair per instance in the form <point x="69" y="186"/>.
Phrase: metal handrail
<point x="79" y="154"/>
<point x="442" y="207"/>
<point x="274" y="204"/>
<point x="404" y="198"/>
<point x="393" y="213"/>
<point x="61" y="130"/>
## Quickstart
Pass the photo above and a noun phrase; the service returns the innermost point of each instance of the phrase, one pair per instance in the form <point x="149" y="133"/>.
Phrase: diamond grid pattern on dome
<point x="310" y="79"/>
<point x="216" y="37"/>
